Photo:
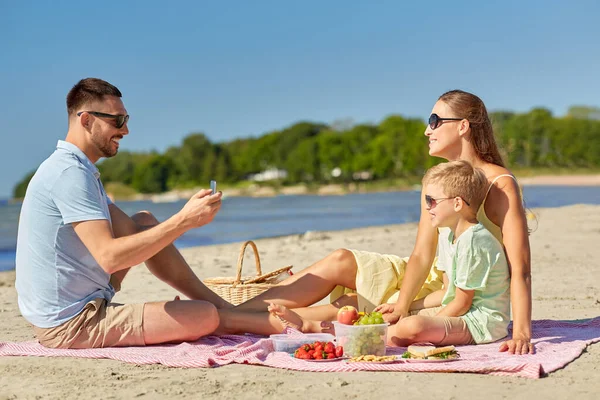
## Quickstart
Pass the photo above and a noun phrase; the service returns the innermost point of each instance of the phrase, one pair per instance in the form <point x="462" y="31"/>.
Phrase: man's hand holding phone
<point x="202" y="207"/>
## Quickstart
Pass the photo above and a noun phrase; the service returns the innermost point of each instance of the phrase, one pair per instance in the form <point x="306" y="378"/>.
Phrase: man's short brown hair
<point x="89" y="90"/>
<point x="459" y="179"/>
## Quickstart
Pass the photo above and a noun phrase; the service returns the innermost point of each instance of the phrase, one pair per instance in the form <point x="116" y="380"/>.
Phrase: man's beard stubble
<point x="105" y="148"/>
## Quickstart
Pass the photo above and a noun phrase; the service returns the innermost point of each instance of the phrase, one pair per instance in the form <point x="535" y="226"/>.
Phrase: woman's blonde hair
<point x="459" y="179"/>
<point x="470" y="107"/>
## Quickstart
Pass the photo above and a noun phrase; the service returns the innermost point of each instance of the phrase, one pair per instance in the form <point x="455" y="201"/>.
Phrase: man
<point x="75" y="246"/>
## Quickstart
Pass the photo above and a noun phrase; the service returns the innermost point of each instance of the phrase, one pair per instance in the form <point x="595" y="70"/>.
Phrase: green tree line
<point x="309" y="152"/>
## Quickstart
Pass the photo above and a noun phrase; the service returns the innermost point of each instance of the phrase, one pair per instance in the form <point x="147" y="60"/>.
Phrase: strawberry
<point x="318" y="355"/>
<point x="330" y="356"/>
<point x="311" y="352"/>
<point x="301" y="353"/>
<point x="339" y="351"/>
<point x="329" y="348"/>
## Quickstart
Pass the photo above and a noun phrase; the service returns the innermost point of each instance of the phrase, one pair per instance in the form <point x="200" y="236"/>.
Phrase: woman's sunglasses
<point x="435" y="120"/>
<point x="431" y="202"/>
<point x="120" y="120"/>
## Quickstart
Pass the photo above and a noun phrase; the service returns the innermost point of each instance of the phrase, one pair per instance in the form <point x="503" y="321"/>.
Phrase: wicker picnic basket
<point x="240" y="289"/>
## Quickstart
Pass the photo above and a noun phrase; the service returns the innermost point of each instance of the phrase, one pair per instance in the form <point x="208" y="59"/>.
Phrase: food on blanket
<point x="431" y="352"/>
<point x="319" y="351"/>
<point x="360" y="340"/>
<point x="374" y="318"/>
<point x="347" y="315"/>
<point x="371" y="358"/>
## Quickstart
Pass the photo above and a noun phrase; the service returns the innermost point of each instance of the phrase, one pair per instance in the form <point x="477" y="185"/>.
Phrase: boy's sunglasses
<point x="431" y="202"/>
<point x="435" y="120"/>
<point x="120" y="120"/>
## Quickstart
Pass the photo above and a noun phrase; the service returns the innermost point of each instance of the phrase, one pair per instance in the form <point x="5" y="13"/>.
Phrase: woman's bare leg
<point x="327" y="312"/>
<point x="275" y="318"/>
<point x="309" y="285"/>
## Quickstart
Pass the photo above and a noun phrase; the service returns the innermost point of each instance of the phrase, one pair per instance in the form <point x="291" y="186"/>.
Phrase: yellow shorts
<point x="98" y="325"/>
<point x="379" y="277"/>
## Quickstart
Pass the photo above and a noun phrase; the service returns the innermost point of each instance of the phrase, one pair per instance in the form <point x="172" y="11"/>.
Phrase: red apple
<point x="347" y="315"/>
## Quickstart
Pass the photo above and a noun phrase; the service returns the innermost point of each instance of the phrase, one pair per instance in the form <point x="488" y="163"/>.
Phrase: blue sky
<point x="242" y="68"/>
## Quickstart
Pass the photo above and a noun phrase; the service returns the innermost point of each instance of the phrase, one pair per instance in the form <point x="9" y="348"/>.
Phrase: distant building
<point x="362" y="176"/>
<point x="270" y="174"/>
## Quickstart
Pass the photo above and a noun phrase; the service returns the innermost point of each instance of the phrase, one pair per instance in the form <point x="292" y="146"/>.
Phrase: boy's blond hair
<point x="459" y="179"/>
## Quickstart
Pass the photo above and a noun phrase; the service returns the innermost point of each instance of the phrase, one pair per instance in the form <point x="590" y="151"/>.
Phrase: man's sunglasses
<point x="120" y="120"/>
<point x="431" y="202"/>
<point x="435" y="120"/>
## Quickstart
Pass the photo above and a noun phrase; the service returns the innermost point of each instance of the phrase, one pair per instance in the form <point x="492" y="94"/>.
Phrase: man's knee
<point x="206" y="320"/>
<point x="144" y="219"/>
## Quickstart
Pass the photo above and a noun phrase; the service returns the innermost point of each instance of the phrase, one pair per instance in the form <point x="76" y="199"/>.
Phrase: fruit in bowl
<point x="366" y="336"/>
<point x="347" y="315"/>
<point x="373" y="318"/>
<point x="319" y="351"/>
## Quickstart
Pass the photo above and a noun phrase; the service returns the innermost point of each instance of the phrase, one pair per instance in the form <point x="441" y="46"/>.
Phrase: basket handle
<point x="238" y="276"/>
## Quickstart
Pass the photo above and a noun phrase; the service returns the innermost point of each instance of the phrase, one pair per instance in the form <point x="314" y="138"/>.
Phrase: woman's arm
<point x="418" y="267"/>
<point x="505" y="208"/>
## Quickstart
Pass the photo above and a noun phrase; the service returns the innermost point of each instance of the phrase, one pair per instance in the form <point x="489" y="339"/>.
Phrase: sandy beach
<point x="565" y="264"/>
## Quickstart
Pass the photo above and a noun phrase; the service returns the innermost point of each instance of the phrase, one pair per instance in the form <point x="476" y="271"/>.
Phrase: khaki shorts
<point x="456" y="329"/>
<point x="98" y="325"/>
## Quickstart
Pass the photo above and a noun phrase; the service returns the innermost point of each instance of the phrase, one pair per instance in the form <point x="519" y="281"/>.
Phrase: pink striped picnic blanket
<point x="557" y="344"/>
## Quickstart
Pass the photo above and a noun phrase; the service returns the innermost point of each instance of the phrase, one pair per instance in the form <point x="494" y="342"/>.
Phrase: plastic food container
<point x="289" y="344"/>
<point x="359" y="340"/>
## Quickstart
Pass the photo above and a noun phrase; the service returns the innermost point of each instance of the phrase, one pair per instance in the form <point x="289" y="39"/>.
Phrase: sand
<point x="565" y="252"/>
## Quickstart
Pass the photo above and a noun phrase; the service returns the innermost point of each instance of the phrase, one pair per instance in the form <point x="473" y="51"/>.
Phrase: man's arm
<point x="115" y="254"/>
<point x="168" y="265"/>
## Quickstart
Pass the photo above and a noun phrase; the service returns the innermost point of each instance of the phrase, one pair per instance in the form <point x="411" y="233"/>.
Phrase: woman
<point x="459" y="129"/>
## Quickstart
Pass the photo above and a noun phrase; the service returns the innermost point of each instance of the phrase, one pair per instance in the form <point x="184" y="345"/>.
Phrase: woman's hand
<point x="389" y="313"/>
<point x="517" y="345"/>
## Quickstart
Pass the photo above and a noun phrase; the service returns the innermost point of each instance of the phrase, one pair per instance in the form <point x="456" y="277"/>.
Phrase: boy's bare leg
<point x="178" y="321"/>
<point x="416" y="328"/>
<point x="309" y="285"/>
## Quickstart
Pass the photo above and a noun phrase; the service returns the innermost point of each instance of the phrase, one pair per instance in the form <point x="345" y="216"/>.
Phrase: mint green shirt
<point x="477" y="262"/>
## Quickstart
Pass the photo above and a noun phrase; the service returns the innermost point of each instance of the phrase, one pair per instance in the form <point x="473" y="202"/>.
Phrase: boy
<point x="474" y="306"/>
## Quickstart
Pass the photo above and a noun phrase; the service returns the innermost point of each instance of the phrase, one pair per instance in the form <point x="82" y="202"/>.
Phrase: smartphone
<point x="213" y="186"/>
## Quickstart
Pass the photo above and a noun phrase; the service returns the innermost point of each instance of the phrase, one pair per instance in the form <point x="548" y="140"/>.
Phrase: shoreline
<point x="257" y="190"/>
<point x="353" y="188"/>
<point x="559" y="293"/>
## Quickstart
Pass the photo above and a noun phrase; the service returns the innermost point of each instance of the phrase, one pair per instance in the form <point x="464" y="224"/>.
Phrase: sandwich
<point x="430" y="352"/>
